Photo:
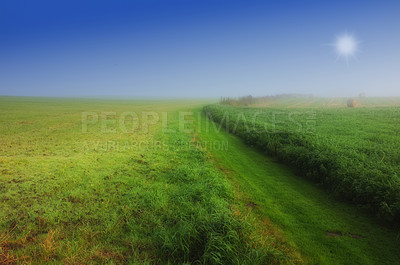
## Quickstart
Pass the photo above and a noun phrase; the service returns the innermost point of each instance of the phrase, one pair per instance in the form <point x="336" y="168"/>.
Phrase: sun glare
<point x="346" y="46"/>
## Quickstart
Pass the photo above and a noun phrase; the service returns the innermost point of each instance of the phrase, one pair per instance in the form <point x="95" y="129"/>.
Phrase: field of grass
<point x="89" y="181"/>
<point x="324" y="229"/>
<point x="315" y="102"/>
<point x="112" y="181"/>
<point x="352" y="151"/>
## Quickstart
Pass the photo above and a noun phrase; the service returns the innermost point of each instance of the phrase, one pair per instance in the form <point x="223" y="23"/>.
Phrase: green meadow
<point x="101" y="181"/>
<point x="276" y="165"/>
<point x="352" y="151"/>
<point x="81" y="185"/>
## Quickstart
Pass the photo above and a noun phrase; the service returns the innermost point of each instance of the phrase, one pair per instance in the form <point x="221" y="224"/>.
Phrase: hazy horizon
<point x="198" y="49"/>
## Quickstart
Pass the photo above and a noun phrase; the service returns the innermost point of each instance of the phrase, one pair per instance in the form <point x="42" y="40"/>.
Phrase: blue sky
<point x="193" y="48"/>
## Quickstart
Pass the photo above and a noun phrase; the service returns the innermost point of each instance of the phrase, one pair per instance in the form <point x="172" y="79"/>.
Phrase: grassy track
<point x="104" y="195"/>
<point x="324" y="230"/>
<point x="137" y="194"/>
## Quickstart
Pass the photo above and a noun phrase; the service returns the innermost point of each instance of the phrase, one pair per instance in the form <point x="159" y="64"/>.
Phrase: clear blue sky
<point x="196" y="48"/>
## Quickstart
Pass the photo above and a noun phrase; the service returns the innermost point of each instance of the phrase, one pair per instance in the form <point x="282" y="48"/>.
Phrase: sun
<point x="346" y="46"/>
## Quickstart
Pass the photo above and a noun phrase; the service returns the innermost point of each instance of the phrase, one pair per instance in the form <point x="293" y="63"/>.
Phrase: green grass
<point x="353" y="152"/>
<point x="157" y="194"/>
<point x="324" y="230"/>
<point x="143" y="196"/>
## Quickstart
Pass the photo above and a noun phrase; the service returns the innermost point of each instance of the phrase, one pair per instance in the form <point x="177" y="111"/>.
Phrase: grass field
<point x="117" y="182"/>
<point x="354" y="152"/>
<point x="324" y="229"/>
<point x="315" y="102"/>
<point x="89" y="181"/>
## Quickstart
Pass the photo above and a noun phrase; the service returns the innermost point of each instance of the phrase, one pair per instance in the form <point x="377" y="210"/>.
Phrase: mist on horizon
<point x="181" y="49"/>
